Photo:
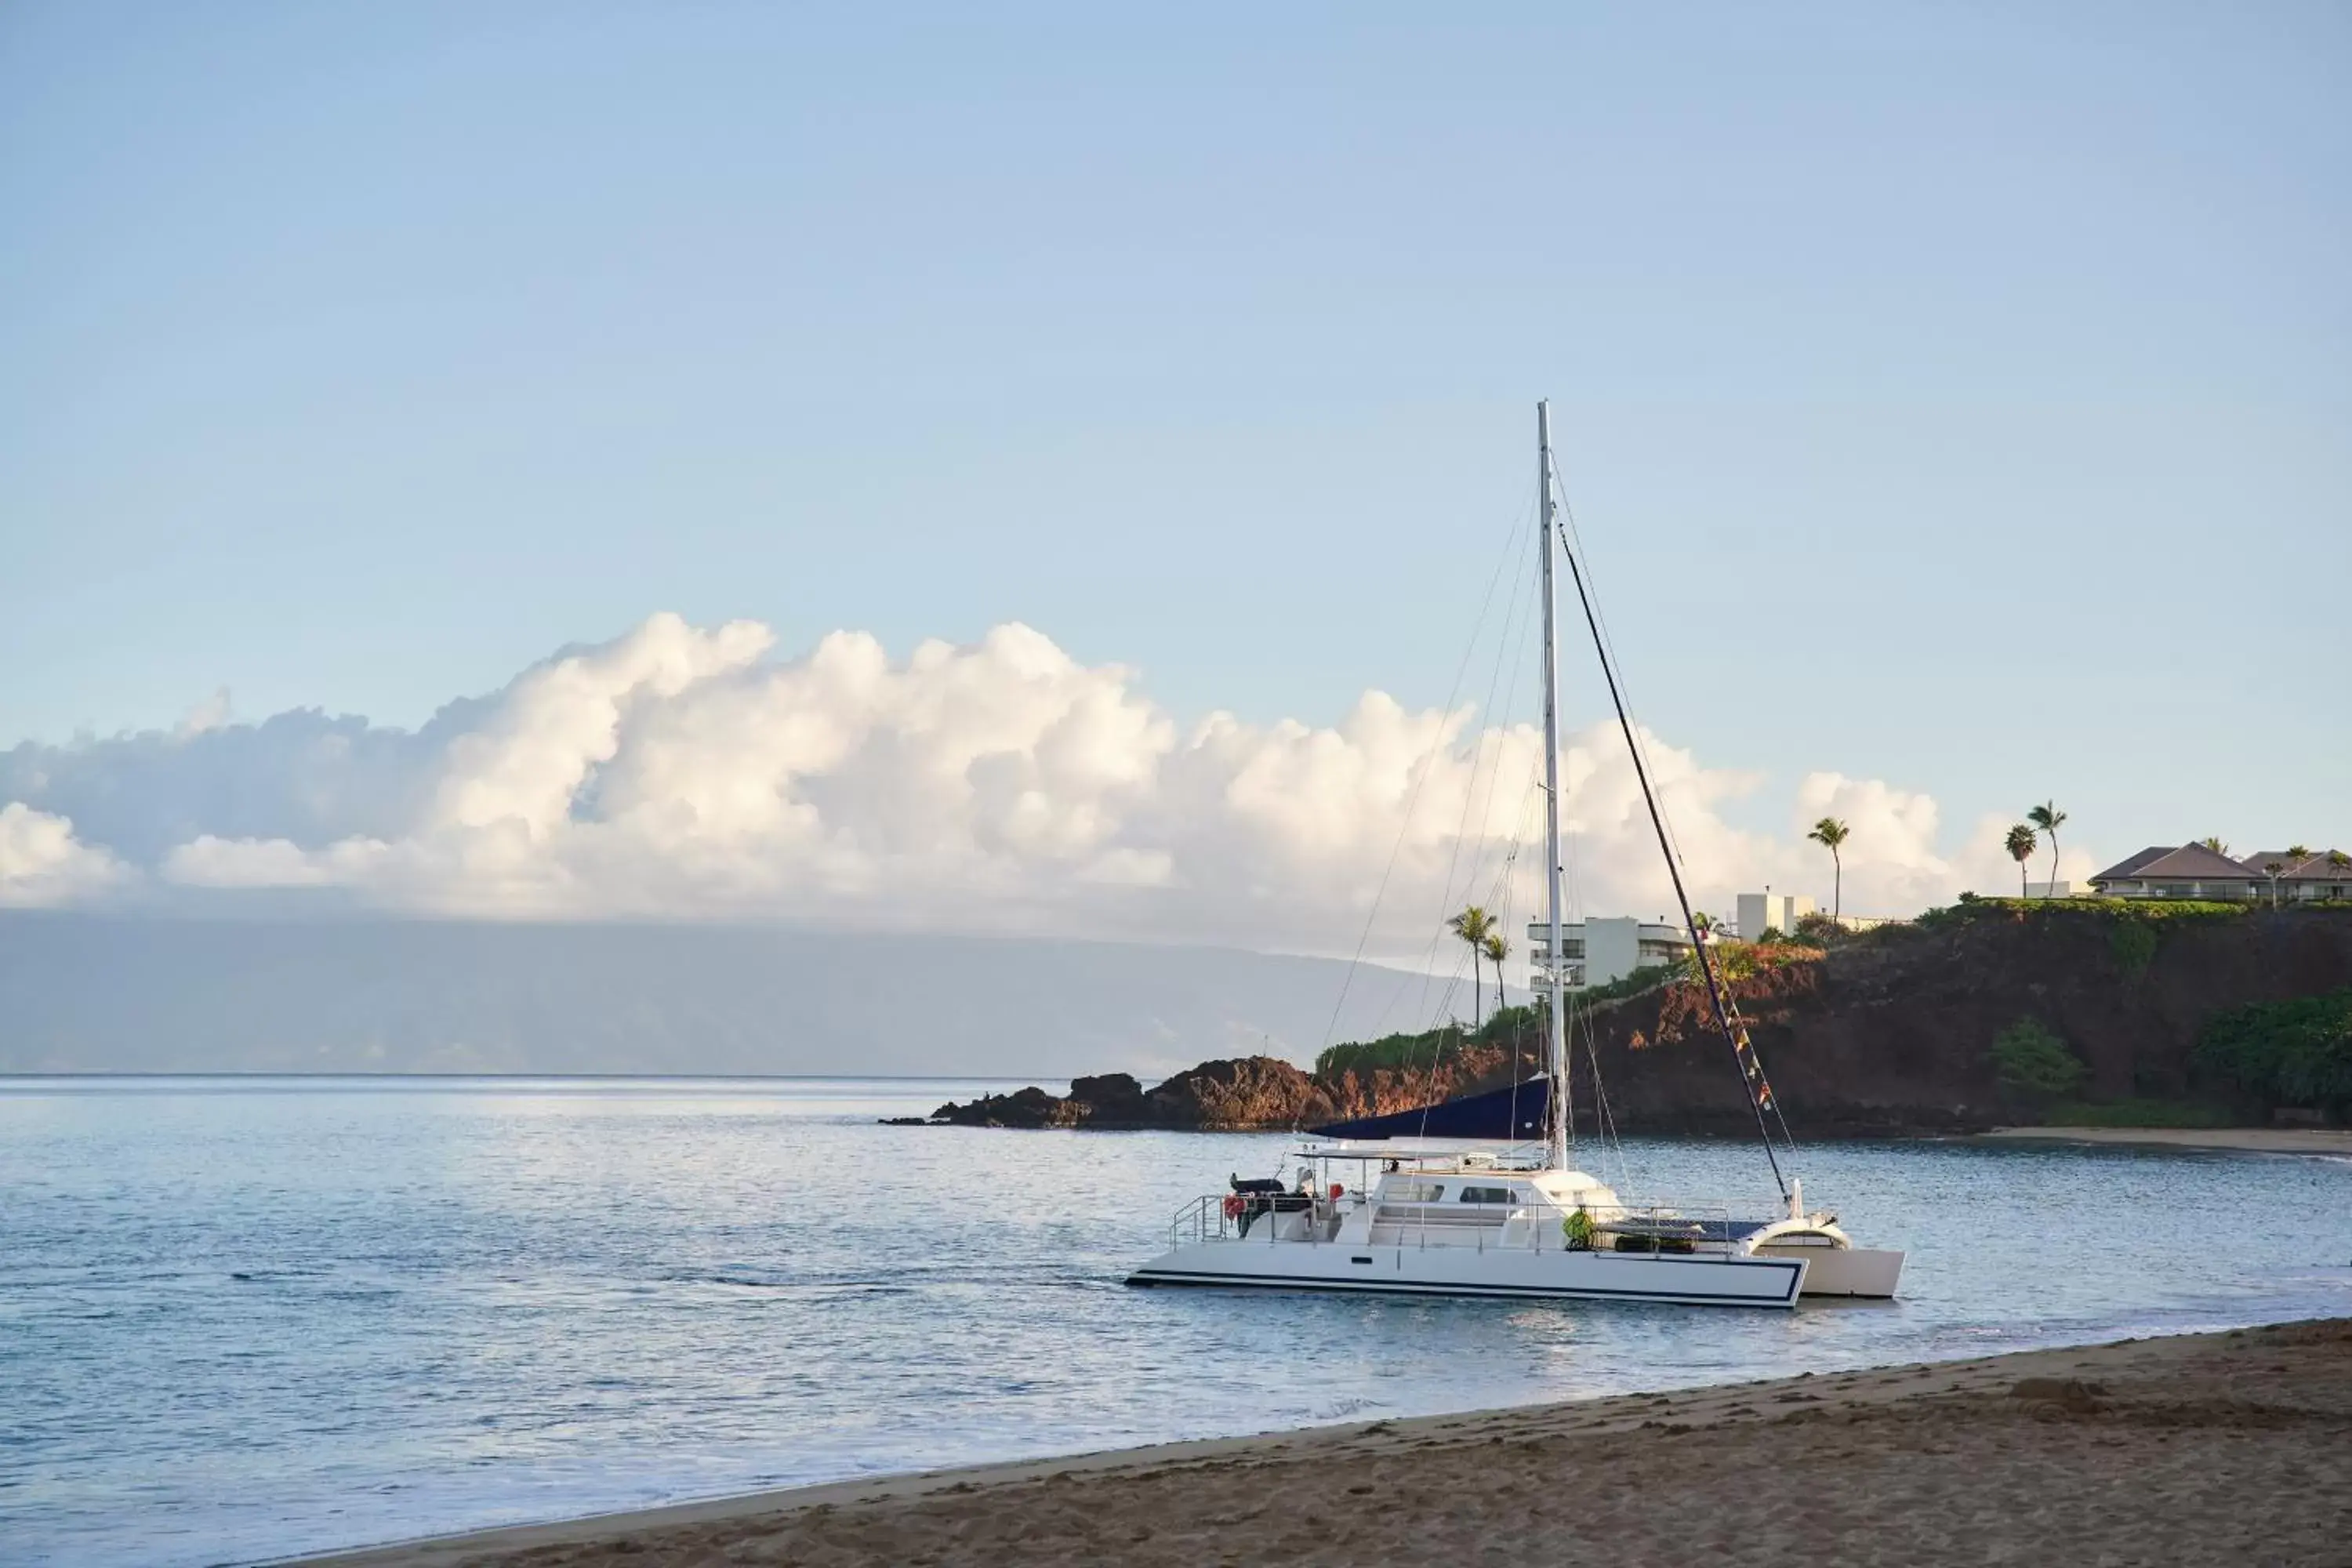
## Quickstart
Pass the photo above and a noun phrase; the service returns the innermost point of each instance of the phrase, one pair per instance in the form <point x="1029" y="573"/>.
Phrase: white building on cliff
<point x="1596" y="951"/>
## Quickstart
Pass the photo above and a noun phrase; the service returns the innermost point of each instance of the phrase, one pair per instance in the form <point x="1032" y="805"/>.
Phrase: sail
<point x="1508" y="1115"/>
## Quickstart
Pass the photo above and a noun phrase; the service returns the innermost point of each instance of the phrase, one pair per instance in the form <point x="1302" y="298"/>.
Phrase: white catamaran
<point x="1499" y="1220"/>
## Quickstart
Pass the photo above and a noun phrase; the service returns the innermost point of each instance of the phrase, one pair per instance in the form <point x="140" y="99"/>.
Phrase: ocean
<point x="245" y="1318"/>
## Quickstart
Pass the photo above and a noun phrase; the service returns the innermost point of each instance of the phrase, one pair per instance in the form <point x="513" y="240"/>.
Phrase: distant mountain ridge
<point x="83" y="993"/>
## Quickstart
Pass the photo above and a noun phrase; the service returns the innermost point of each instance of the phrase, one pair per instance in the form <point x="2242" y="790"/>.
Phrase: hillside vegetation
<point x="1992" y="1011"/>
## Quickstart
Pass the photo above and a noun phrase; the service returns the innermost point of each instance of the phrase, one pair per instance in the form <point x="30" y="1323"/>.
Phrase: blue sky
<point x="1955" y="397"/>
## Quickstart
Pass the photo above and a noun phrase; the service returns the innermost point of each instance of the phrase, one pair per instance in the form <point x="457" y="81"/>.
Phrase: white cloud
<point x="681" y="772"/>
<point x="208" y="861"/>
<point x="41" y="861"/>
<point x="210" y="714"/>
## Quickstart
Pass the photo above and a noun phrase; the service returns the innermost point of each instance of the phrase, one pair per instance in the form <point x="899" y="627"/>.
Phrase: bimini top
<point x="1509" y="1115"/>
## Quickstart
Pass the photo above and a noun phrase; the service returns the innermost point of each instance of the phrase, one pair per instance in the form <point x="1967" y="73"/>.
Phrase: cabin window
<point x="1419" y="1193"/>
<point x="1486" y="1194"/>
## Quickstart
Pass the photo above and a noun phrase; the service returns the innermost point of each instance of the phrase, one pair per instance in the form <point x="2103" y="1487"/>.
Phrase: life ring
<point x="1235" y="1205"/>
<point x="1338" y="1192"/>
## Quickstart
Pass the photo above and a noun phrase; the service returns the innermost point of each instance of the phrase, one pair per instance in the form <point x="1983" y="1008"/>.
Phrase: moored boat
<point x="1497" y="1214"/>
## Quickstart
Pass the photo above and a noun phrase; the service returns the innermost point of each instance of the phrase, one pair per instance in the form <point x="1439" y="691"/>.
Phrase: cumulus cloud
<point x="42" y="862"/>
<point x="1000" y="785"/>
<point x="210" y="714"/>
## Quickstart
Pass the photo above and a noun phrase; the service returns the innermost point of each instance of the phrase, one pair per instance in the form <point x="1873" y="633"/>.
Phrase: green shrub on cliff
<point x="2029" y="1057"/>
<point x="2297" y="1053"/>
<point x="1649" y="977"/>
<point x="1739" y="960"/>
<point x="2133" y="942"/>
<point x="1429" y="1047"/>
<point x="1971" y="910"/>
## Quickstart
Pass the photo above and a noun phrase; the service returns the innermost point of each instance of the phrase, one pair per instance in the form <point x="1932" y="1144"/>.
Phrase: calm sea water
<point x="247" y="1317"/>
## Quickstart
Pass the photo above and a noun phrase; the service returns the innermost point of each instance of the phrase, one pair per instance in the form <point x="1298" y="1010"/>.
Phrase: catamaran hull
<point x="1864" y="1273"/>
<point x="1680" y="1279"/>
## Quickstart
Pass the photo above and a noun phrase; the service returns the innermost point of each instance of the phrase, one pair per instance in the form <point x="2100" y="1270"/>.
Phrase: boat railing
<point x="1231" y="1217"/>
<point x="1618" y="1229"/>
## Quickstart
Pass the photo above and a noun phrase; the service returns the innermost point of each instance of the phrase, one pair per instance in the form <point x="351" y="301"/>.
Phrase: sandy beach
<point x="2251" y="1140"/>
<point x="2194" y="1448"/>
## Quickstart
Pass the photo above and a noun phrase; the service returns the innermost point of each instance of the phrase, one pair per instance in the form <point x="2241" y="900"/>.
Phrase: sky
<point x="1955" y="404"/>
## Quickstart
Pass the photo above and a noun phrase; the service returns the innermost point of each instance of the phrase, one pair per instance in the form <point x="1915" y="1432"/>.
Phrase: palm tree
<point x="2298" y="853"/>
<point x="2046" y="817"/>
<point x="1830" y="833"/>
<point x="2020" y="845"/>
<point x="2215" y="844"/>
<point x="2339" y="863"/>
<point x="1498" y="950"/>
<point x="1703" y="923"/>
<point x="2271" y="869"/>
<point x="1474" y="925"/>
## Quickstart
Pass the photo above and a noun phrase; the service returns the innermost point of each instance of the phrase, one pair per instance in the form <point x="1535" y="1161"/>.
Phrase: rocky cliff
<point x="1890" y="1032"/>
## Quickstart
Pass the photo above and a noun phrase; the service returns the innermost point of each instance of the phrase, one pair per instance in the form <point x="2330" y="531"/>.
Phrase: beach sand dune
<point x="2232" y="1448"/>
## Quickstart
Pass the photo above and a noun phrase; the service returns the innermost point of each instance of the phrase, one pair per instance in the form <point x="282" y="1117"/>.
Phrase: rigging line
<point x="1511" y="844"/>
<point x="1609" y="646"/>
<point x="1501" y="895"/>
<point x="1477" y="755"/>
<point x="1575" y="537"/>
<point x="1571" y="1014"/>
<point x="1518" y="1027"/>
<point x="1412" y="803"/>
<point x="1461" y="1036"/>
<point x="1604" y="1120"/>
<point x="1522" y="598"/>
<point x="1437" y="748"/>
<point x="1506" y="902"/>
<point x="1742" y="1053"/>
<point x="1494" y="775"/>
<point x="1531" y="790"/>
<point x="1404" y="824"/>
<point x="1428" y="1098"/>
<point x="1505" y="887"/>
<point x="1421" y="1019"/>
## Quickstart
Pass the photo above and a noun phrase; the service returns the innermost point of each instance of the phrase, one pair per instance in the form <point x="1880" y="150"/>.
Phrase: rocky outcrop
<point x="1887" y="1033"/>
<point x="1240" y="1094"/>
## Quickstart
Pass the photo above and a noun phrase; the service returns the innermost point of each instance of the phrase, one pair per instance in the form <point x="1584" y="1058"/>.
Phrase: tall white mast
<point x="1556" y="1014"/>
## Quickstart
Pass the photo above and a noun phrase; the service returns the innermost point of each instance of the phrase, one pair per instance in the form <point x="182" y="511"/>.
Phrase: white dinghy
<point x="1491" y="1215"/>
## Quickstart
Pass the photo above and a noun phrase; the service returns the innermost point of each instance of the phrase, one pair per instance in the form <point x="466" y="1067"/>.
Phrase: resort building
<point x="1760" y="912"/>
<point x="2196" y="871"/>
<point x="1594" y="953"/>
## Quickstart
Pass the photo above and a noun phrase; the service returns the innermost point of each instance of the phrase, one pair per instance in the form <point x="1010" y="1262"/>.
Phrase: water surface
<point x="245" y="1318"/>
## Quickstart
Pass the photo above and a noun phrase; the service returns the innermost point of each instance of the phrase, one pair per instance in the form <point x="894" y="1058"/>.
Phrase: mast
<point x="1555" y="1016"/>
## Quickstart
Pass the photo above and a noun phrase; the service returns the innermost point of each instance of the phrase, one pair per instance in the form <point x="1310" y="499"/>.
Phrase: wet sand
<point x="2200" y="1448"/>
<point x="2255" y="1140"/>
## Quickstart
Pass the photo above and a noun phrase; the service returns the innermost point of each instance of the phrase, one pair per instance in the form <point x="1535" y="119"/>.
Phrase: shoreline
<point x="2160" y="1449"/>
<point x="2240" y="1139"/>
